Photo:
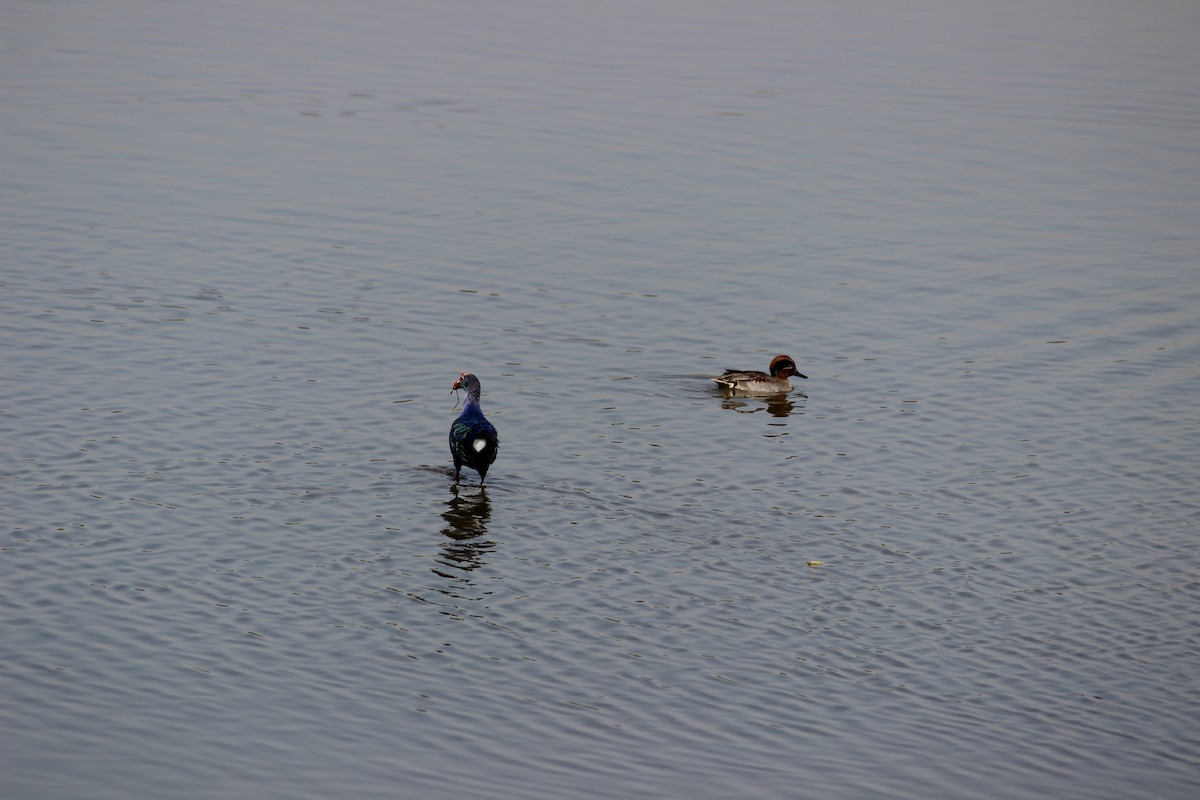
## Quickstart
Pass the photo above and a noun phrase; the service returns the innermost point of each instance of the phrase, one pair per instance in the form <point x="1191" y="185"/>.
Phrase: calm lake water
<point x="248" y="247"/>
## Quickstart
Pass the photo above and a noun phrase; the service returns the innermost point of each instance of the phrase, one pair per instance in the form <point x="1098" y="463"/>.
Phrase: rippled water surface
<point x="249" y="246"/>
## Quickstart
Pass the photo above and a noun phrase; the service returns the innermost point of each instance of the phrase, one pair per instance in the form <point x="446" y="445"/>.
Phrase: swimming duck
<point x="754" y="382"/>
<point x="473" y="440"/>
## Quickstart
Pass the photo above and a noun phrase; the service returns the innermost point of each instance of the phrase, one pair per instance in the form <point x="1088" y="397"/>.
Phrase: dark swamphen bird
<point x="473" y="440"/>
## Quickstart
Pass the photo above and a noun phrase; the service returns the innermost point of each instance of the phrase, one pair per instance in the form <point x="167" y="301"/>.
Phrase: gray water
<point x="248" y="247"/>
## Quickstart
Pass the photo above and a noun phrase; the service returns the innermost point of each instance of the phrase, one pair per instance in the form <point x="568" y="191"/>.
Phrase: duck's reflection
<point x="466" y="517"/>
<point x="777" y="405"/>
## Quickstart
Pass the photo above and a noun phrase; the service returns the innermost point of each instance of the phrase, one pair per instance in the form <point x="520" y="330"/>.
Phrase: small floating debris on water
<point x="816" y="563"/>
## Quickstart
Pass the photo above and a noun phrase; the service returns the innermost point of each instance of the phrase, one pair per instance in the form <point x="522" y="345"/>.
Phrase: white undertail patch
<point x="479" y="444"/>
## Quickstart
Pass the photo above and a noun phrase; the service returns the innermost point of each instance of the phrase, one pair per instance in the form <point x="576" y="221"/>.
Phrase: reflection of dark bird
<point x="466" y="544"/>
<point x="467" y="515"/>
<point x="473" y="440"/>
<point x="754" y="382"/>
